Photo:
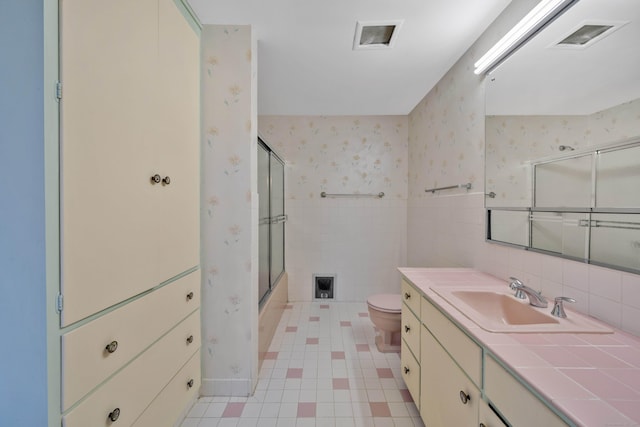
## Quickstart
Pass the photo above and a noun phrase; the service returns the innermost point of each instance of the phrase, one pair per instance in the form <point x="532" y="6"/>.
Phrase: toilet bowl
<point x="385" y="312"/>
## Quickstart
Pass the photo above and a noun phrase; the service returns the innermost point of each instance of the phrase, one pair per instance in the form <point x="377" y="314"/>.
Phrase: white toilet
<point x="385" y="312"/>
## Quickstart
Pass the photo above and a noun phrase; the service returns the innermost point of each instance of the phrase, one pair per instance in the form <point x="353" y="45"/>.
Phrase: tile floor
<point x="322" y="369"/>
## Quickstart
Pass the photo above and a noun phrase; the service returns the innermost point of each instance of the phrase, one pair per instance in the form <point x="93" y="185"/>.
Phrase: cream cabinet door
<point x="176" y="149"/>
<point x="120" y="233"/>
<point x="447" y="396"/>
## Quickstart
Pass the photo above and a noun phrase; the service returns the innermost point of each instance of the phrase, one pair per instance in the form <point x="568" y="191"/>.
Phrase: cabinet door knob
<point x="190" y="383"/>
<point x="407" y="295"/>
<point x="464" y="397"/>
<point x="189" y="296"/>
<point x="112" y="347"/>
<point x="406" y="370"/>
<point x="114" y="415"/>
<point x="407" y="328"/>
<point x="166" y="180"/>
<point x="156" y="179"/>
<point x="482" y="425"/>
<point x="190" y="339"/>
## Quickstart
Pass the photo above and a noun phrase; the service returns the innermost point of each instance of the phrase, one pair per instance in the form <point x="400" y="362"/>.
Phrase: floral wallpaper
<point x="361" y="240"/>
<point x="340" y="154"/>
<point x="228" y="171"/>
<point x="513" y="140"/>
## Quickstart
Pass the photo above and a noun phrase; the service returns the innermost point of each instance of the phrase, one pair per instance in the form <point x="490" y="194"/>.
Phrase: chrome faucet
<point x="558" y="308"/>
<point x="535" y="298"/>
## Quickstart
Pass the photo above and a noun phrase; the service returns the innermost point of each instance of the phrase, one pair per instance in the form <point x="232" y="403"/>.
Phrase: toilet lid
<point x="389" y="303"/>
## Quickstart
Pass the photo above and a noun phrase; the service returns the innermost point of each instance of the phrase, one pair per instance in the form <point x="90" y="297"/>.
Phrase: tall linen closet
<point x="129" y="200"/>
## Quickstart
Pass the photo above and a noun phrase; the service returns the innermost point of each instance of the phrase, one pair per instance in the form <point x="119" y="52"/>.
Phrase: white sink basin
<point x="497" y="311"/>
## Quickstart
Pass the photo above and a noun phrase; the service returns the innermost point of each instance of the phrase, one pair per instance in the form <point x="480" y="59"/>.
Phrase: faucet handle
<point x="558" y="308"/>
<point x="516" y="285"/>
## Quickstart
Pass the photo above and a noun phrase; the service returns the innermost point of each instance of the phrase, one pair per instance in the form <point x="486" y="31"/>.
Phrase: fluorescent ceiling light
<point x="539" y="17"/>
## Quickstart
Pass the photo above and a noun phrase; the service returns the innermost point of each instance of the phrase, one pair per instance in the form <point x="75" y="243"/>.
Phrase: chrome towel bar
<point x="380" y="195"/>
<point x="433" y="190"/>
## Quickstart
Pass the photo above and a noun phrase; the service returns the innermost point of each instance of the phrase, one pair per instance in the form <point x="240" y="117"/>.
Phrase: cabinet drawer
<point x="514" y="401"/>
<point x="167" y="407"/>
<point x="86" y="362"/>
<point x="411" y="374"/>
<point x="411" y="331"/>
<point x="461" y="348"/>
<point x="135" y="386"/>
<point x="411" y="297"/>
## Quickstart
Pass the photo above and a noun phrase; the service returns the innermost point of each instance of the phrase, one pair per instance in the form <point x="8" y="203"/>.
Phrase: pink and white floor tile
<point x="322" y="369"/>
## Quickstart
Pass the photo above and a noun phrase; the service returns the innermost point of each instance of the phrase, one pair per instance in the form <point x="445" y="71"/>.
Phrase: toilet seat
<point x="386" y="303"/>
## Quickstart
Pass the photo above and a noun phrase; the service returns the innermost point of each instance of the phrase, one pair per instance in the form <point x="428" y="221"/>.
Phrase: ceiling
<point x="306" y="61"/>
<point x="544" y="79"/>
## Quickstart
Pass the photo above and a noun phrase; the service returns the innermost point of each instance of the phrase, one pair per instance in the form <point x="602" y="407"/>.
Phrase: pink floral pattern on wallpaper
<point x="446" y="138"/>
<point x="228" y="148"/>
<point x="340" y="154"/>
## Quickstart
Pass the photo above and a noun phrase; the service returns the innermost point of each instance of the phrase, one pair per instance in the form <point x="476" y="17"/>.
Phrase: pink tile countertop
<point x="594" y="379"/>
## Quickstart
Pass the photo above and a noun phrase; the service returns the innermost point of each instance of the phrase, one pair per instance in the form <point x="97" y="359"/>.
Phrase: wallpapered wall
<point x="512" y="140"/>
<point x="229" y="227"/>
<point x="447" y="229"/>
<point x="361" y="240"/>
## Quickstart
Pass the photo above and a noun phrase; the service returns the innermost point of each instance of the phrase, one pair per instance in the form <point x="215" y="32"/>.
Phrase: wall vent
<point x="324" y="286"/>
<point x="376" y="34"/>
<point x="588" y="33"/>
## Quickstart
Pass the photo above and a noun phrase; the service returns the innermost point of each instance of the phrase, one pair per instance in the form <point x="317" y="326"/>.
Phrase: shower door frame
<point x="272" y="221"/>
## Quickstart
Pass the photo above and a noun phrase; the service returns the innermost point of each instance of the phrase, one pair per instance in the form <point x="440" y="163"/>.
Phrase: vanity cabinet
<point x="461" y="382"/>
<point x="410" y="345"/>
<point x="129" y="212"/>
<point x="448" y="396"/>
<point x="513" y="400"/>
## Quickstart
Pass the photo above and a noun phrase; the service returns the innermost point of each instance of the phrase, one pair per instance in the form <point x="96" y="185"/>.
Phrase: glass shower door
<point x="271" y="220"/>
<point x="278" y="218"/>
<point x="264" y="222"/>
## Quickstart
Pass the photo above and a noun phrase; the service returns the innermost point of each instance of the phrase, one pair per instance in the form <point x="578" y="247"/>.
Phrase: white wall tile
<point x="605" y="282"/>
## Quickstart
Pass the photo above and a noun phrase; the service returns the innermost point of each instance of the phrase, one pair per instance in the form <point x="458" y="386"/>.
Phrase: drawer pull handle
<point x="156" y="179"/>
<point x="114" y="415"/>
<point x="189" y="296"/>
<point x="112" y="347"/>
<point x="407" y="328"/>
<point x="190" y="383"/>
<point x="406" y="370"/>
<point x="464" y="397"/>
<point x="407" y="295"/>
<point x="166" y="180"/>
<point x="482" y="425"/>
<point x="190" y="339"/>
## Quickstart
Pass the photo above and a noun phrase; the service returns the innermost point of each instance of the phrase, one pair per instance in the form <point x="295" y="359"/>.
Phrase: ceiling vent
<point x="376" y="35"/>
<point x="589" y="33"/>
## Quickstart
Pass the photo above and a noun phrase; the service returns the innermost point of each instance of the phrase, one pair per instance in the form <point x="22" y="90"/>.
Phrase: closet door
<point x="129" y="111"/>
<point x="176" y="147"/>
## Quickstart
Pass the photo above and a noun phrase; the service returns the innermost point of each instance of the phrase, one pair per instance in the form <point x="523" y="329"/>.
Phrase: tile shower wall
<point x="446" y="147"/>
<point x="229" y="211"/>
<point x="361" y="240"/>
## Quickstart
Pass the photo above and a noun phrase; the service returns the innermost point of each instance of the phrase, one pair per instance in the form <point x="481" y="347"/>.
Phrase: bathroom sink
<point x="497" y="311"/>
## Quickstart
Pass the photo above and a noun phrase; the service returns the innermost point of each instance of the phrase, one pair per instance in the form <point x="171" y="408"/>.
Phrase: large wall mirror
<point x="563" y="138"/>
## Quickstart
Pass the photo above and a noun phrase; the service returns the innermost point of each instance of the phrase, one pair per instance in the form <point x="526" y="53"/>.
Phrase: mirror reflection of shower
<point x="566" y="147"/>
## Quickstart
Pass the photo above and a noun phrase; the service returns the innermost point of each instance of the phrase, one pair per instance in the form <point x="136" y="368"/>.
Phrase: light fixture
<point x="539" y="17"/>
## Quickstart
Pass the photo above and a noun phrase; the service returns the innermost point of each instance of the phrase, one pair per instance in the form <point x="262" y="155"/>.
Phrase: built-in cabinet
<point x="129" y="182"/>
<point x="459" y="382"/>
